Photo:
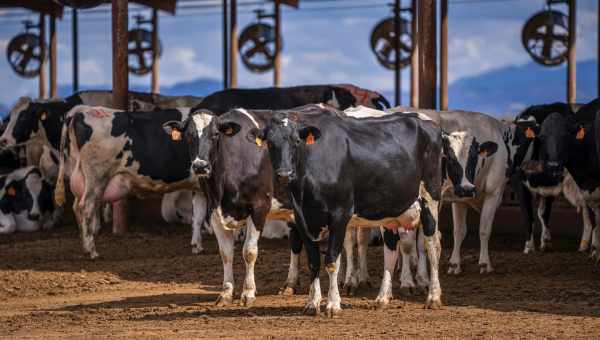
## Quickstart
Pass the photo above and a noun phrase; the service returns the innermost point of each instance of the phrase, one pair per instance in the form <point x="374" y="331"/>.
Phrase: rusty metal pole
<point x="414" y="58"/>
<point x="155" y="53"/>
<point x="572" y="60"/>
<point x="397" y="75"/>
<point x="120" y="81"/>
<point x="42" y="75"/>
<point x="598" y="48"/>
<point x="225" y="47"/>
<point x="444" y="56"/>
<point x="233" y="52"/>
<point x="427" y="54"/>
<point x="53" y="87"/>
<point x="277" y="61"/>
<point x="75" y="36"/>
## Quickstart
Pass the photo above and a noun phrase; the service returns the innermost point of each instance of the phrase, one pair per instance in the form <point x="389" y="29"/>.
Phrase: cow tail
<point x="59" y="191"/>
<point x="300" y="217"/>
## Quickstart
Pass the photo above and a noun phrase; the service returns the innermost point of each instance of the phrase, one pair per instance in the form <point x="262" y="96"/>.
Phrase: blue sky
<point x="320" y="46"/>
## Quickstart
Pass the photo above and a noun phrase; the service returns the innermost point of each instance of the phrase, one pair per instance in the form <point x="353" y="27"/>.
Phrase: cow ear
<point x="11" y="191"/>
<point x="229" y="128"/>
<point x="487" y="149"/>
<point x="309" y="134"/>
<point x="257" y="136"/>
<point x="174" y="129"/>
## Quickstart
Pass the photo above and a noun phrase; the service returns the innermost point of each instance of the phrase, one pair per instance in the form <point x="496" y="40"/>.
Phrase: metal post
<point x="75" y="36"/>
<point x="444" y="56"/>
<point x="572" y="60"/>
<point x="414" y="58"/>
<point x="233" y="53"/>
<point x="42" y="76"/>
<point x="120" y="82"/>
<point x="225" y="47"/>
<point x="427" y="54"/>
<point x="277" y="61"/>
<point x="397" y="75"/>
<point x="53" y="87"/>
<point x="155" y="56"/>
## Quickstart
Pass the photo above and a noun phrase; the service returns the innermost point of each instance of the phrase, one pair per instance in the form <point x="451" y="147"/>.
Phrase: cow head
<point x="287" y="140"/>
<point x="197" y="131"/>
<point x="461" y="153"/>
<point x="554" y="139"/>
<point x="21" y="193"/>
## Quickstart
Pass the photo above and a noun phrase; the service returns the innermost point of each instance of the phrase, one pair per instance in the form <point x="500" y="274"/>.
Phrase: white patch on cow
<point x="364" y="112"/>
<point x="333" y="101"/>
<point x="185" y="112"/>
<point x="8" y="225"/>
<point x="21" y="105"/>
<point x="201" y="120"/>
<point x="247" y="114"/>
<point x="529" y="119"/>
<point x="285" y="122"/>
<point x="275" y="229"/>
<point x="33" y="182"/>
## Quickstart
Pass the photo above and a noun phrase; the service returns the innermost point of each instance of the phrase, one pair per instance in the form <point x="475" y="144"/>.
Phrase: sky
<point x="322" y="44"/>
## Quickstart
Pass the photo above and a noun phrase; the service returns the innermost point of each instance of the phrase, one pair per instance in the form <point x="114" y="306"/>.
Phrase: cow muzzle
<point x="33" y="217"/>
<point x="201" y="168"/>
<point x="555" y="171"/>
<point x="465" y="191"/>
<point x="284" y="176"/>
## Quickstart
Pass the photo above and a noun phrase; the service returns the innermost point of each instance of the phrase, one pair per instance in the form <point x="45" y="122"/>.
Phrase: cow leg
<point x="490" y="205"/>
<point x="226" y="248"/>
<point x="595" y="253"/>
<point x="390" y="257"/>
<point x="90" y="212"/>
<point x="314" y="263"/>
<point x="433" y="247"/>
<point x="544" y="211"/>
<point x="363" y="237"/>
<point x="8" y="225"/>
<point x="335" y="242"/>
<point x="292" y="282"/>
<point x="525" y="198"/>
<point x="422" y="277"/>
<point x="459" y="218"/>
<point x="199" y="207"/>
<point x="350" y="280"/>
<point x="250" y="252"/>
<point x="407" y="248"/>
<point x="587" y="228"/>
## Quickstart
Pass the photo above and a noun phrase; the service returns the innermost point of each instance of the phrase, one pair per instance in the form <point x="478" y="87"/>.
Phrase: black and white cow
<point x="572" y="142"/>
<point x="113" y="154"/>
<point x="25" y="201"/>
<point x="527" y="182"/>
<point x="371" y="171"/>
<point x="280" y="98"/>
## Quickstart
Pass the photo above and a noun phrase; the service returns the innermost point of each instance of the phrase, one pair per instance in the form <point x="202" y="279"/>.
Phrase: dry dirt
<point x="149" y="285"/>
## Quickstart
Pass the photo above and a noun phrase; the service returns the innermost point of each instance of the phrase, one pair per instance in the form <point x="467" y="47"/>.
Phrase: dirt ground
<point x="149" y="285"/>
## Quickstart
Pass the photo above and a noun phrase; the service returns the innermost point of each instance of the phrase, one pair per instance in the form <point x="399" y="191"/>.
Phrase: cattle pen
<point x="148" y="284"/>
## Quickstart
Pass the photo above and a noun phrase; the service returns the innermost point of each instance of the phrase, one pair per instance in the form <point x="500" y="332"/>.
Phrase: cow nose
<point x="3" y="142"/>
<point x="34" y="217"/>
<point x="283" y="175"/>
<point x="201" y="167"/>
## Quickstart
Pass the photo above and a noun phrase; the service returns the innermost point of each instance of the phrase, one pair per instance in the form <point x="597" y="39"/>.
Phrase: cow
<point x="367" y="172"/>
<point x="527" y="183"/>
<point x="279" y="98"/>
<point x="113" y="154"/>
<point x="26" y="201"/>
<point x="571" y="142"/>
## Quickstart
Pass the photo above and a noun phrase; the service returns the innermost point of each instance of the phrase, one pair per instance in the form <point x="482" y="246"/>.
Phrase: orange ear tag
<point x="229" y="131"/>
<point x="175" y="135"/>
<point x="483" y="153"/>
<point x="529" y="133"/>
<point x="580" y="134"/>
<point x="43" y="116"/>
<point x="258" y="141"/>
<point x="310" y="139"/>
<point x="11" y="191"/>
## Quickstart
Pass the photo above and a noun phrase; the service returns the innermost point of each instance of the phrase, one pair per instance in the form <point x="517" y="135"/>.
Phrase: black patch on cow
<point x="427" y="221"/>
<point x="54" y="158"/>
<point x="120" y="155"/>
<point x="46" y="198"/>
<point x="21" y="201"/>
<point x="390" y="239"/>
<point x="83" y="132"/>
<point x="129" y="161"/>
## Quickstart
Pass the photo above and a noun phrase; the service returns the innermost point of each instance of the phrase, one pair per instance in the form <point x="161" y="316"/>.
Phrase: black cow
<point x="384" y="171"/>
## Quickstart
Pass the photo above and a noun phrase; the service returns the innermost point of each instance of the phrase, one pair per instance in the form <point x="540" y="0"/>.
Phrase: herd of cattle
<point x="333" y="162"/>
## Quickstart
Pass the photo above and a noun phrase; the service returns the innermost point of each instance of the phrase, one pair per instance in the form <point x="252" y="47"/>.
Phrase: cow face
<point x="21" y="193"/>
<point x="287" y="141"/>
<point x="461" y="154"/>
<point x="554" y="137"/>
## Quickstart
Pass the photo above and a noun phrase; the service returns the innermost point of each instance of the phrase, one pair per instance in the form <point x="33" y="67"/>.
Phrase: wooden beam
<point x="225" y="46"/>
<point x="414" y="58"/>
<point x="277" y="61"/>
<point x="43" y="53"/>
<point x="53" y="51"/>
<point x="572" y="59"/>
<point x="444" y="56"/>
<point x="47" y="7"/>
<point x="75" y="37"/>
<point x="397" y="74"/>
<point x="164" y="5"/>
<point x="120" y="82"/>
<point x="427" y="54"/>
<point x="155" y="54"/>
<point x="233" y="41"/>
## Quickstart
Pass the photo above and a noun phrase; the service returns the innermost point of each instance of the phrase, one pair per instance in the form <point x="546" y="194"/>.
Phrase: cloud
<point x="183" y="64"/>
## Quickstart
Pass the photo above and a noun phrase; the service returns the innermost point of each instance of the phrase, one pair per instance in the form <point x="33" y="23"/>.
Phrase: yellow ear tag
<point x="580" y="134"/>
<point x="529" y="133"/>
<point x="310" y="139"/>
<point x="44" y="116"/>
<point x="229" y="131"/>
<point x="258" y="141"/>
<point x="11" y="191"/>
<point x="175" y="135"/>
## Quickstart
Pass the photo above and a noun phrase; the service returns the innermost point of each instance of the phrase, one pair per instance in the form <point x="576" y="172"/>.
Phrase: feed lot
<point x="148" y="284"/>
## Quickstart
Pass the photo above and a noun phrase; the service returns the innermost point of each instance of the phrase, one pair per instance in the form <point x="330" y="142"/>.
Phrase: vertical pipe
<point x="397" y="79"/>
<point x="427" y="54"/>
<point x="598" y="48"/>
<point x="155" y="53"/>
<point x="572" y="60"/>
<point x="120" y="82"/>
<point x="53" y="87"/>
<point x="75" y="36"/>
<point x="414" y="58"/>
<point x="444" y="56"/>
<point x="225" y="47"/>
<point x="42" y="76"/>
<point x="233" y="53"/>
<point x="277" y="61"/>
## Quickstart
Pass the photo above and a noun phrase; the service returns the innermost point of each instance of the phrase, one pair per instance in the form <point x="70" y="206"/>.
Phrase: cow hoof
<point x="247" y="300"/>
<point x="546" y="247"/>
<point x="224" y="299"/>
<point x="197" y="250"/>
<point x="348" y="290"/>
<point x="381" y="303"/>
<point x="433" y="303"/>
<point x="94" y="255"/>
<point x="332" y="311"/>
<point x="287" y="290"/>
<point x="311" y="310"/>
<point x="584" y="245"/>
<point x="454" y="269"/>
<point x="529" y="248"/>
<point x="485" y="269"/>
